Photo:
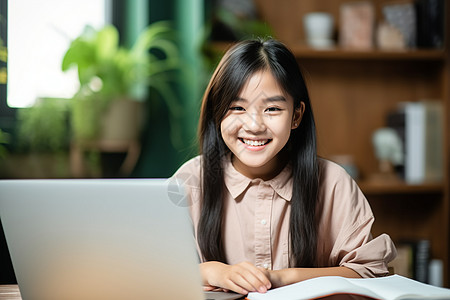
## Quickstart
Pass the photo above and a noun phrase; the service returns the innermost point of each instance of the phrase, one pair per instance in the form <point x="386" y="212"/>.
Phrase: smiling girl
<point x="266" y="210"/>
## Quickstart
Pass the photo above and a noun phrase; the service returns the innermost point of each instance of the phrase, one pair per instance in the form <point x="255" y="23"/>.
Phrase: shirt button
<point x="266" y="266"/>
<point x="264" y="222"/>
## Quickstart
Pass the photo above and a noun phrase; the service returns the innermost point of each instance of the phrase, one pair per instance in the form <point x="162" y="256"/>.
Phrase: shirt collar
<point x="237" y="183"/>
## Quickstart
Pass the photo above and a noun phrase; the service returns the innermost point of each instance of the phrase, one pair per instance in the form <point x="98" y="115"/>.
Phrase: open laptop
<point x="101" y="239"/>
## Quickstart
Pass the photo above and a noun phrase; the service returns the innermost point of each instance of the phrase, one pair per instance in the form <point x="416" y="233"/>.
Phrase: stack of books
<point x="420" y="127"/>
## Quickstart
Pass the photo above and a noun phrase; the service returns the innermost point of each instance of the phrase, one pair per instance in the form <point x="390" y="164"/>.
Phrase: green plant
<point x="108" y="71"/>
<point x="242" y="27"/>
<point x="231" y="27"/>
<point x="42" y="140"/>
<point x="4" y="139"/>
<point x="43" y="127"/>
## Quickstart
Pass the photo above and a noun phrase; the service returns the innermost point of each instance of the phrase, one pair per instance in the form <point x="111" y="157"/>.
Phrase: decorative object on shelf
<point x="319" y="29"/>
<point x="388" y="37"/>
<point x="403" y="17"/>
<point x="357" y="21"/>
<point x="389" y="152"/>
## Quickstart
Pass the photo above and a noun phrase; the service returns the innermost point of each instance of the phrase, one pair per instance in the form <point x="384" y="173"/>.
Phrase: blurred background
<point x="111" y="88"/>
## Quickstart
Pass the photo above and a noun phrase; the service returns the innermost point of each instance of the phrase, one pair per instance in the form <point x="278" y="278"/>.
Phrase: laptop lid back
<point x="100" y="239"/>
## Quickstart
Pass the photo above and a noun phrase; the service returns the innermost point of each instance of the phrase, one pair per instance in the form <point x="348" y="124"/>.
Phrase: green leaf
<point x="107" y="43"/>
<point x="156" y="31"/>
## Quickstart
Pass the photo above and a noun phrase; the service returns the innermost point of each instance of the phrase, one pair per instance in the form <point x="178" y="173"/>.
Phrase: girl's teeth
<point x="254" y="143"/>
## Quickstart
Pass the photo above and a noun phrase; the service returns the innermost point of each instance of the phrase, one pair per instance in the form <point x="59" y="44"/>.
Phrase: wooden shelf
<point x="301" y="51"/>
<point x="385" y="188"/>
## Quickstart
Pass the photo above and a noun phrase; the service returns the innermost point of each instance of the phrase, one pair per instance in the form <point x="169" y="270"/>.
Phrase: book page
<point x="390" y="287"/>
<point x="313" y="288"/>
<point x="399" y="287"/>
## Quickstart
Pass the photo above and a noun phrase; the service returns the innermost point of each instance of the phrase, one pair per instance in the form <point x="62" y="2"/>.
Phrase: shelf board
<point x="302" y="51"/>
<point x="384" y="188"/>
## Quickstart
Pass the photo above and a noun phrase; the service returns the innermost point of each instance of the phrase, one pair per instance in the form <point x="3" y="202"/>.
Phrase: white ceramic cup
<point x="318" y="28"/>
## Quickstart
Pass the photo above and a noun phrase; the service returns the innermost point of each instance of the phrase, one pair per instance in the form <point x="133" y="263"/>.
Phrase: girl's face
<point x="258" y="124"/>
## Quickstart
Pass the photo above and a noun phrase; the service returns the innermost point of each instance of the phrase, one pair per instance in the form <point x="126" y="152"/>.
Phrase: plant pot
<point x="118" y="120"/>
<point x="122" y="121"/>
<point x="115" y="129"/>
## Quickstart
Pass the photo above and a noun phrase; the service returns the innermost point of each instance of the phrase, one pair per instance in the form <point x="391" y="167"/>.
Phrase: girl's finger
<point x="248" y="281"/>
<point x="261" y="274"/>
<point x="232" y="286"/>
<point x="256" y="277"/>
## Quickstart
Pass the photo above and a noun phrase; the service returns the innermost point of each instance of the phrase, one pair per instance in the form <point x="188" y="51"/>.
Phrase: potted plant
<point x="40" y="149"/>
<point x="3" y="141"/>
<point x="43" y="127"/>
<point x="114" y="80"/>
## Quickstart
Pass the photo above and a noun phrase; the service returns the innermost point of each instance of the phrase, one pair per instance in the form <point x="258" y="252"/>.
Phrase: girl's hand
<point x="241" y="278"/>
<point x="210" y="288"/>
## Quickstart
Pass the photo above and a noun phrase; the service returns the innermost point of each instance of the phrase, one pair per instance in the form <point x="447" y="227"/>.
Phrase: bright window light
<point x="39" y="33"/>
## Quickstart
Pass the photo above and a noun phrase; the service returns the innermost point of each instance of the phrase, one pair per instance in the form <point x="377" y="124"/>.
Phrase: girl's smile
<point x="258" y="126"/>
<point x="255" y="145"/>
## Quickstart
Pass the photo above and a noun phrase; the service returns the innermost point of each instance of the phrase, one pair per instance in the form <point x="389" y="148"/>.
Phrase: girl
<point x="266" y="211"/>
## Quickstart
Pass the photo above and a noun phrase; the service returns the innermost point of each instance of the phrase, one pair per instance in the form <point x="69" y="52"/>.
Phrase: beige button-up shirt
<point x="256" y="219"/>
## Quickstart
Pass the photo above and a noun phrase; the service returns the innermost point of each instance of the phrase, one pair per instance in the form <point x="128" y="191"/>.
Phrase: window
<point x="39" y="33"/>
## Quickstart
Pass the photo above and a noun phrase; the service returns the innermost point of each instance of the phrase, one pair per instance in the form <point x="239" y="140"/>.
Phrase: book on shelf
<point x="421" y="260"/>
<point x="389" y="287"/>
<point x="420" y="127"/>
<point x="430" y="23"/>
<point x="403" y="262"/>
<point x="413" y="259"/>
<point x="396" y="120"/>
<point x="356" y="28"/>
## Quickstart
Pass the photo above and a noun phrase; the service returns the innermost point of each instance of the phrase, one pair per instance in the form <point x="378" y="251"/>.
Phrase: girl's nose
<point x="255" y="123"/>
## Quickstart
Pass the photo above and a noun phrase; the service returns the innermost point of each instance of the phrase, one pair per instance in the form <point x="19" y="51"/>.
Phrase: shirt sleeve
<point x="346" y="223"/>
<point x="366" y="255"/>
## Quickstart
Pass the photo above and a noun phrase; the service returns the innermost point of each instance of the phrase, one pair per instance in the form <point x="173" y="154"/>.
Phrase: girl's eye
<point x="237" y="108"/>
<point x="271" y="109"/>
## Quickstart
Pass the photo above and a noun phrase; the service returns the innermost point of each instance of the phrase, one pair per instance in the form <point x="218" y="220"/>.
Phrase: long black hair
<point x="238" y="64"/>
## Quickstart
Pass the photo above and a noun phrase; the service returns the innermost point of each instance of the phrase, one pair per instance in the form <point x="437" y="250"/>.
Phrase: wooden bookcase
<point x="351" y="93"/>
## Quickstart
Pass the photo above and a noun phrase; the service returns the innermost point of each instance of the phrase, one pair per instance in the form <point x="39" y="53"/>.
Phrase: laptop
<point x="101" y="239"/>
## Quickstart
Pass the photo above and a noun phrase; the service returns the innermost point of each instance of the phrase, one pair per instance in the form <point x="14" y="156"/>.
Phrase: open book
<point x="390" y="287"/>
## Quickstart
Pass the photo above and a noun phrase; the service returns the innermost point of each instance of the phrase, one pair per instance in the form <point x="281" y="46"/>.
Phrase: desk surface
<point x="10" y="292"/>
